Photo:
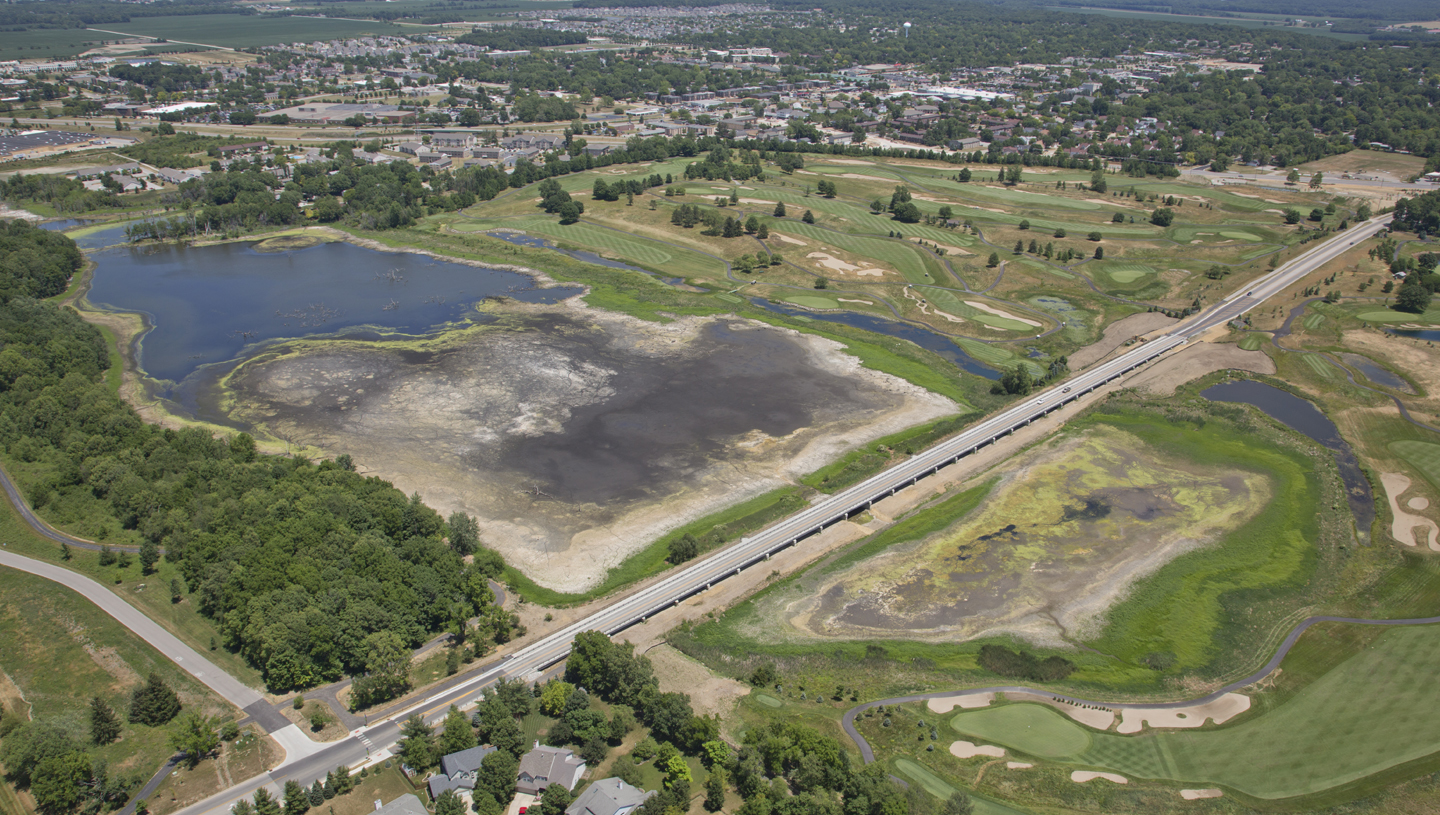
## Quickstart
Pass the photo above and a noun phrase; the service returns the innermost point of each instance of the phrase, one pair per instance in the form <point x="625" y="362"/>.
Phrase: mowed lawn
<point x="1378" y="709"/>
<point x="1421" y="455"/>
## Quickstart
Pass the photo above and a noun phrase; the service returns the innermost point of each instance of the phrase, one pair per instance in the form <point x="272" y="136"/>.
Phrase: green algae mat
<point x="1374" y="711"/>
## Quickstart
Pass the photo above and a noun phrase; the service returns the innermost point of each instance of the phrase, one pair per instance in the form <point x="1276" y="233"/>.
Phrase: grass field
<point x="1430" y="317"/>
<point x="1124" y="272"/>
<point x="1365" y="162"/>
<point x="1252" y="342"/>
<point x="1313" y="321"/>
<point x="1034" y="729"/>
<point x="1376" y="710"/>
<point x="1421" y="455"/>
<point x="1321" y="366"/>
<point x="903" y="257"/>
<point x="953" y="302"/>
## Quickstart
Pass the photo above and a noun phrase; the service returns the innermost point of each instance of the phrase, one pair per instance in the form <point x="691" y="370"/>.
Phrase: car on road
<point x="1065" y="389"/>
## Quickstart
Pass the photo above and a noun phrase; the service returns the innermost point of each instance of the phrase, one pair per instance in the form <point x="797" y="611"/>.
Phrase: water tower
<point x="907" y="31"/>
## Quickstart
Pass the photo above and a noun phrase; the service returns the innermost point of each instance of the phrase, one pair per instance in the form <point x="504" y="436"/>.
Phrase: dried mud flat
<point x="577" y="436"/>
<point x="1100" y="510"/>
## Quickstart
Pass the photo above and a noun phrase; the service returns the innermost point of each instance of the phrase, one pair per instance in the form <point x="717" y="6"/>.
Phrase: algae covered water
<point x="208" y="304"/>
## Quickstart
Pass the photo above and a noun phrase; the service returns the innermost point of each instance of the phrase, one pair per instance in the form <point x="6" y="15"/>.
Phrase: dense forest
<point x="1420" y="214"/>
<point x="301" y="564"/>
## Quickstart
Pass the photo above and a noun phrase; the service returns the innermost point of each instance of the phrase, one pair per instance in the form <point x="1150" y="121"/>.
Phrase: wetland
<point x="576" y="436"/>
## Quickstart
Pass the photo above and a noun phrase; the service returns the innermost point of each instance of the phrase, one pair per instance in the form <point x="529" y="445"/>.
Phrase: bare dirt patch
<point x="579" y="436"/>
<point x="709" y="694"/>
<point x="1197" y="360"/>
<point x="1116" y="334"/>
<point x="1100" y="511"/>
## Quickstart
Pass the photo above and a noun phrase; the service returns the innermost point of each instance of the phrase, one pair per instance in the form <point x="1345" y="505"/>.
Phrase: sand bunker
<point x="966" y="701"/>
<point x="989" y="309"/>
<point x="1082" y="776"/>
<point x="835" y="264"/>
<point x="1405" y="525"/>
<point x="1197" y="795"/>
<point x="1018" y="765"/>
<point x="788" y="239"/>
<point x="1418" y="503"/>
<point x="579" y="436"/>
<point x="1221" y="710"/>
<point x="848" y="300"/>
<point x="965" y="749"/>
<point x="1073" y="524"/>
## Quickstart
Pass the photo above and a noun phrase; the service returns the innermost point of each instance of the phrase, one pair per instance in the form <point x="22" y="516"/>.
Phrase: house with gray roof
<point x="544" y="766"/>
<point x="458" y="770"/>
<point x="406" y="804"/>
<point x="608" y="796"/>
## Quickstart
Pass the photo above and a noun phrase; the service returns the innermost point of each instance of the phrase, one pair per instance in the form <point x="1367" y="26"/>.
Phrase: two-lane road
<point x="730" y="561"/>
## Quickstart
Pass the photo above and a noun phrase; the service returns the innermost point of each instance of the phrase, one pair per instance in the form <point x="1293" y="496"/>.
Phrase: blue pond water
<point x="1420" y="334"/>
<point x="101" y="238"/>
<point x="207" y="304"/>
<point x="1303" y="417"/>
<point x="62" y="225"/>
<point x="928" y="340"/>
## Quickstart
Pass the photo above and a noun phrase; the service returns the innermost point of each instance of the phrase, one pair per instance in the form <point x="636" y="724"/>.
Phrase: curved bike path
<point x="848" y="720"/>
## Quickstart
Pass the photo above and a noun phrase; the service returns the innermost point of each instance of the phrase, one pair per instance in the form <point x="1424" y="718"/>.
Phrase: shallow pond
<point x="1303" y="417"/>
<point x="1377" y="374"/>
<point x="207" y="304"/>
<point x="928" y="340"/>
<point x="63" y="224"/>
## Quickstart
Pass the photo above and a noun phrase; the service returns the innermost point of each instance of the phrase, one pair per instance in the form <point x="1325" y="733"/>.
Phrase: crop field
<point x="247" y="31"/>
<point x="49" y="43"/>
<point x="1376" y="710"/>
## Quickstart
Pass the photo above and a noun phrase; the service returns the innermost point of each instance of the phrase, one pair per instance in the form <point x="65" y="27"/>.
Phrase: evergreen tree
<point x="296" y="799"/>
<point x="780" y="209"/>
<point x="808" y="217"/>
<point x="265" y="803"/>
<point x="104" y="724"/>
<point x="149" y="556"/>
<point x="154" y="704"/>
<point x="316" y="794"/>
<point x="417" y="744"/>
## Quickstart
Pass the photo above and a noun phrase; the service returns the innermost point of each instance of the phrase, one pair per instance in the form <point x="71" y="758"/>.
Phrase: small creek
<point x="208" y="304"/>
<point x="1302" y="416"/>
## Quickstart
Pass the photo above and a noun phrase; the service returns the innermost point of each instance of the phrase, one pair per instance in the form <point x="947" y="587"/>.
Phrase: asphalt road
<point x="307" y="762"/>
<point x="544" y="653"/>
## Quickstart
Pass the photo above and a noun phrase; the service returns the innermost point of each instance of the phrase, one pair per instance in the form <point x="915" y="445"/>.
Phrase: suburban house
<point x="458" y="770"/>
<point x="608" y="796"/>
<point x="544" y="766"/>
<point x="406" y="804"/>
